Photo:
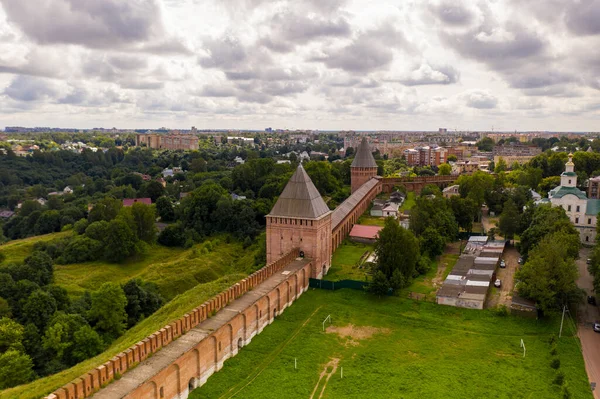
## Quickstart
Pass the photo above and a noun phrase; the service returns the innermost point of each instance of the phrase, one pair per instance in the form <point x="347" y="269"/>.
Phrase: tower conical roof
<point x="364" y="157"/>
<point x="300" y="198"/>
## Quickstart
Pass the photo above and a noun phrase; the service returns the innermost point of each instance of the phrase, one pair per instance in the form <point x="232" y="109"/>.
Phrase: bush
<point x="559" y="379"/>
<point x="566" y="394"/>
<point x="80" y="226"/>
<point x="555" y="363"/>
<point x="501" y="310"/>
<point x="172" y="236"/>
<point x="2" y="257"/>
<point x="67" y="227"/>
<point x="423" y="265"/>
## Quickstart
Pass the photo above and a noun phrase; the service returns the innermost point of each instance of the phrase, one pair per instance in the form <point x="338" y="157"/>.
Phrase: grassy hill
<point x="185" y="277"/>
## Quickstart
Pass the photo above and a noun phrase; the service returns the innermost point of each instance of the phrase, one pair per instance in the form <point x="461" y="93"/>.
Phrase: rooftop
<point x="561" y="191"/>
<point x="364" y="157"/>
<point x="368" y="232"/>
<point x="348" y="205"/>
<point x="300" y="198"/>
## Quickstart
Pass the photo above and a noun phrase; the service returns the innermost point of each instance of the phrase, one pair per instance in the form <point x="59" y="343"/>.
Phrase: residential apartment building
<point x="167" y="142"/>
<point x="515" y="153"/>
<point x="594" y="188"/>
<point x="426" y="156"/>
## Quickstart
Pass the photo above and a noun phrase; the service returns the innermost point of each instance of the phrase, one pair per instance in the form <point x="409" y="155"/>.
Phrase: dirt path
<point x="503" y="295"/>
<point x="333" y="363"/>
<point x="451" y="248"/>
<point x="586" y="315"/>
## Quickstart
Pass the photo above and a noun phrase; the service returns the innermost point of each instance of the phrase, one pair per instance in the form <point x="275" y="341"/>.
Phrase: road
<point x="586" y="315"/>
<point x="503" y="295"/>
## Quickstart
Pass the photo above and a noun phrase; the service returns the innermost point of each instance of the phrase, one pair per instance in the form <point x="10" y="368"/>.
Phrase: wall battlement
<point x="92" y="381"/>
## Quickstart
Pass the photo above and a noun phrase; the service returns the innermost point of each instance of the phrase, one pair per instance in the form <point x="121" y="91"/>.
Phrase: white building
<point x="581" y="210"/>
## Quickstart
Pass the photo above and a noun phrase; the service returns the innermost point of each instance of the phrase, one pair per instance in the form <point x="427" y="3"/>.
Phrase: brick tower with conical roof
<point x="363" y="166"/>
<point x="300" y="219"/>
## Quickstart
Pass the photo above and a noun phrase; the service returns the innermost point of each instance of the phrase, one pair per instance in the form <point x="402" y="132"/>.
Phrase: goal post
<point x="325" y="321"/>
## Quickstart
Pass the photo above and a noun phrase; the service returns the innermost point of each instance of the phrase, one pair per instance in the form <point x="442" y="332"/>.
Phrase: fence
<point x="337" y="285"/>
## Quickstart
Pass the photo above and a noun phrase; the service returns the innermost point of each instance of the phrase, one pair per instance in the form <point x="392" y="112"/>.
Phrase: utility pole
<point x="561" y="320"/>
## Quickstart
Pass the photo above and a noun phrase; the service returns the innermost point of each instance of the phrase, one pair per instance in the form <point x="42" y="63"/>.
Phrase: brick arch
<point x="257" y="318"/>
<point x="196" y="356"/>
<point x="230" y="327"/>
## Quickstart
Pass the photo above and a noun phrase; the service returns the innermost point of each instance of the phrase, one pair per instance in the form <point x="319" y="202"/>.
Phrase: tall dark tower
<point x="363" y="166"/>
<point x="300" y="219"/>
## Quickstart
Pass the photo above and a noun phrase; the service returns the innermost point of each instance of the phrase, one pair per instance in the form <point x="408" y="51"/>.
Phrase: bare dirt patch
<point x="355" y="332"/>
<point x="328" y="370"/>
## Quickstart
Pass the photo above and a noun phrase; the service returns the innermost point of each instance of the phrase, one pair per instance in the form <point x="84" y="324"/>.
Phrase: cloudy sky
<point x="315" y="64"/>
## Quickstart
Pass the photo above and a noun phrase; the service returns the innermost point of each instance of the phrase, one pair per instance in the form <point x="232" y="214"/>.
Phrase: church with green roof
<point x="581" y="210"/>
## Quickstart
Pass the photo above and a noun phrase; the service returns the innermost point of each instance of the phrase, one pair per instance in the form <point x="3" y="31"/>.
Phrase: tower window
<point x="577" y="208"/>
<point x="576" y="220"/>
<point x="569" y="208"/>
<point x="569" y="181"/>
<point x="589" y="221"/>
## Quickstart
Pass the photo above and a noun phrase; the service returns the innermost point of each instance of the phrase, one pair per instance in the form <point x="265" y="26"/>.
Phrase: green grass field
<point x="369" y="220"/>
<point x="344" y="262"/>
<point x="398" y="348"/>
<point x="409" y="202"/>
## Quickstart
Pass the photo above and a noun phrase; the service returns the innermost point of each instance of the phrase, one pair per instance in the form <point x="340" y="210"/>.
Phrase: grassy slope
<point x="431" y="351"/>
<point x="174" y="270"/>
<point x="18" y="250"/>
<point x="345" y="258"/>
<point x="193" y="275"/>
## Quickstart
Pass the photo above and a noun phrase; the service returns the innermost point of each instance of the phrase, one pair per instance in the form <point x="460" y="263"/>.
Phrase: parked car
<point x="592" y="300"/>
<point x="497" y="283"/>
<point x="502" y="263"/>
<point x="588" y="261"/>
<point x="520" y="260"/>
<point x="597" y="326"/>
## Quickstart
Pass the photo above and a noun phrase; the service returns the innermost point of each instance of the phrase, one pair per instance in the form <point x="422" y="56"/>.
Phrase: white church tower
<point x="568" y="178"/>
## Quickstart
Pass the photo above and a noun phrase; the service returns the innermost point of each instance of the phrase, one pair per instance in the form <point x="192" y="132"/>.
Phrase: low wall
<point x="92" y="381"/>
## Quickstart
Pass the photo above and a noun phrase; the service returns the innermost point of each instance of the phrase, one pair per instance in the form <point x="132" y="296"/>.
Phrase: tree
<point x="475" y="186"/>
<point x="396" y="249"/>
<point x="509" y="220"/>
<point x="15" y="368"/>
<point x="108" y="310"/>
<point x="547" y="220"/>
<point x="143" y="221"/>
<point x="548" y="277"/>
<point x="485" y="144"/>
<point x="86" y="343"/>
<point x="432" y="243"/>
<point x="379" y="285"/>
<point x="106" y="209"/>
<point x="165" y="210"/>
<point x="501" y="166"/>
<point x="120" y="241"/>
<point x="172" y="236"/>
<point x="452" y="158"/>
<point x="39" y="308"/>
<point x="465" y="211"/>
<point x="11" y="335"/>
<point x="444" y="169"/>
<point x="143" y="299"/>
<point x="4" y="308"/>
<point x="436" y="213"/>
<point x="153" y="189"/>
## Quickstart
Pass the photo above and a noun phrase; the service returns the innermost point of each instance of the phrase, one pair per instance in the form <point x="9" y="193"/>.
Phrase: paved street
<point x="586" y="315"/>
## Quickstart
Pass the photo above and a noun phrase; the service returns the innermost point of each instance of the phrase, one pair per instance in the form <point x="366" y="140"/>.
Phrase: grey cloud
<point x="352" y="81"/>
<point x="271" y="74"/>
<point x="27" y="88"/>
<point x="128" y="62"/>
<point x="452" y="13"/>
<point x="289" y="29"/>
<point x="583" y="18"/>
<point x="428" y="75"/>
<point x="217" y="91"/>
<point x="225" y="52"/>
<point x="37" y="63"/>
<point x="567" y="91"/>
<point x="89" y="23"/>
<point x="80" y="96"/>
<point x="369" y="51"/>
<point x="479" y="99"/>
<point x="499" y="47"/>
<point x="140" y="84"/>
<point x="538" y="79"/>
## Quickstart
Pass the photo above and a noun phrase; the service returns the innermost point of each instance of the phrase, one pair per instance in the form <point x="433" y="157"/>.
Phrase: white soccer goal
<point x="325" y="321"/>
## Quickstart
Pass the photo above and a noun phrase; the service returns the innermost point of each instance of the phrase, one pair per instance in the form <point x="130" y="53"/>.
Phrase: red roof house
<point x="131" y="201"/>
<point x="364" y="233"/>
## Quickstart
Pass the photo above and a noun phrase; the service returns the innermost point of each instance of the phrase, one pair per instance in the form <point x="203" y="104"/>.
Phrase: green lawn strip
<point x="409" y="201"/>
<point x="173" y="310"/>
<point x="368" y="220"/>
<point x="344" y="262"/>
<point x="427" y="351"/>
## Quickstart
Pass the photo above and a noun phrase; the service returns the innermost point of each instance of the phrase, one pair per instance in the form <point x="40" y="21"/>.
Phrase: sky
<point x="301" y="64"/>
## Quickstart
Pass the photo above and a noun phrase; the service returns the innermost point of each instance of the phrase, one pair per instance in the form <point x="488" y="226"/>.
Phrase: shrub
<point x="559" y="379"/>
<point x="2" y="257"/>
<point x="555" y="363"/>
<point x="67" y="227"/>
<point x="566" y="394"/>
<point x="501" y="310"/>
